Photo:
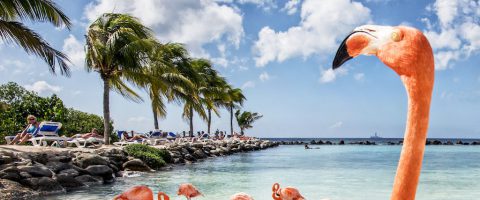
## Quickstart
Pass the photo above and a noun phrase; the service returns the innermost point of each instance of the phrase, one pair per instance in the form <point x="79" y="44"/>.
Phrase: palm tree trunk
<point x="106" y="111"/>
<point x="231" y="120"/>
<point x="191" y="120"/>
<point x="155" y="119"/>
<point x="209" y="120"/>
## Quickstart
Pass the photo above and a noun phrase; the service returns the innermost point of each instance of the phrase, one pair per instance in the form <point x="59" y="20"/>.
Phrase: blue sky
<point x="279" y="53"/>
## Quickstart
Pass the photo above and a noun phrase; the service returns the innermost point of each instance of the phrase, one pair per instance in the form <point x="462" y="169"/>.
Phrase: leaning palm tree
<point x="195" y="70"/>
<point x="245" y="119"/>
<point x="165" y="76"/>
<point x="118" y="48"/>
<point x="12" y="30"/>
<point x="213" y="92"/>
<point x="234" y="99"/>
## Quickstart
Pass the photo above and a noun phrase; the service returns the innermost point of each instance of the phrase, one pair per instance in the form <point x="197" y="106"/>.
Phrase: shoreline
<point x="28" y="171"/>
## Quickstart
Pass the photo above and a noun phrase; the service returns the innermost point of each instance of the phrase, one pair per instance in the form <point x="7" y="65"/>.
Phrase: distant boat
<point x="375" y="136"/>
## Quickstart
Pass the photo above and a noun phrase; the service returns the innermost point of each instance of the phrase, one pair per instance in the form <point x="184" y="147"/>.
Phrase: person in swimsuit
<point x="30" y="131"/>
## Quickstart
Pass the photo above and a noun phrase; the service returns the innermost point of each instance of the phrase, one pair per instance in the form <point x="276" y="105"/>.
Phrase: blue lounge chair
<point x="48" y="132"/>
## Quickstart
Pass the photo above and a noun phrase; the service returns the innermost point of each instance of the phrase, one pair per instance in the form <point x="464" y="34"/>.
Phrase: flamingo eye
<point x="397" y="35"/>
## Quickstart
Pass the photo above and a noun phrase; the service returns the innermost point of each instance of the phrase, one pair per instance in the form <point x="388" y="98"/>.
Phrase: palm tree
<point x="213" y="92"/>
<point x="12" y="30"/>
<point x="234" y="99"/>
<point x="245" y="119"/>
<point x="189" y="93"/>
<point x="165" y="76"/>
<point x="118" y="48"/>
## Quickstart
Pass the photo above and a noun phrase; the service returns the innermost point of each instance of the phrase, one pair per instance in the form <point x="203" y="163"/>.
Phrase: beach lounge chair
<point x="48" y="133"/>
<point x="82" y="142"/>
<point x="123" y="141"/>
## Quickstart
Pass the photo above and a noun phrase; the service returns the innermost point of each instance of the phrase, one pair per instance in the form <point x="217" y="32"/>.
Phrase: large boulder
<point x="13" y="176"/>
<point x="87" y="159"/>
<point x="136" y="165"/>
<point x="69" y="172"/>
<point x="14" y="190"/>
<point x="199" y="154"/>
<point x="37" y="170"/>
<point x="89" y="180"/>
<point x="57" y="166"/>
<point x="99" y="170"/>
<point x="48" y="186"/>
<point x="68" y="182"/>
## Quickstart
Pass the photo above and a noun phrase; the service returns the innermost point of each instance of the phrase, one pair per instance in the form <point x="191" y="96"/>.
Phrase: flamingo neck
<point x="419" y="91"/>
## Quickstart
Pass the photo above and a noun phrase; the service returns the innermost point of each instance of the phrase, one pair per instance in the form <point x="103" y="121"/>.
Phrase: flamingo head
<point x="163" y="196"/>
<point x="399" y="47"/>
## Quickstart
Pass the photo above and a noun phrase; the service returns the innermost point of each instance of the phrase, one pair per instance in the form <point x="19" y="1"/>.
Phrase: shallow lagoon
<point x="348" y="172"/>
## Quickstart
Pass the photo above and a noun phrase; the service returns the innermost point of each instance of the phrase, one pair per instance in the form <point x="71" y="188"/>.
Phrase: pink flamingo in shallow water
<point x="188" y="190"/>
<point x="241" y="196"/>
<point x="287" y="193"/>
<point x="407" y="51"/>
<point x="140" y="193"/>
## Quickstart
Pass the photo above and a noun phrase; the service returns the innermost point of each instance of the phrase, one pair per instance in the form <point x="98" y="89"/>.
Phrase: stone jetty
<point x="27" y="172"/>
<point x="368" y="142"/>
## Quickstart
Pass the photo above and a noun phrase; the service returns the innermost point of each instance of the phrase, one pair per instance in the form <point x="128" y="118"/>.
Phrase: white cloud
<point x="443" y="59"/>
<point x="264" y="77"/>
<point x="75" y="51"/>
<point x="321" y="26"/>
<point x="330" y="75"/>
<point x="291" y="7"/>
<point x="13" y="66"/>
<point x="248" y="84"/>
<point x="359" y="77"/>
<point x="194" y="23"/>
<point x="336" y="125"/>
<point x="446" y="11"/>
<point x="456" y="36"/>
<point x="42" y="87"/>
<point x="444" y="39"/>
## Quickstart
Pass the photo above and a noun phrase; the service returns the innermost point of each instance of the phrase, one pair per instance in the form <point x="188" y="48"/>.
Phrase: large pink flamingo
<point x="287" y="193"/>
<point x="140" y="193"/>
<point x="188" y="190"/>
<point x="407" y="51"/>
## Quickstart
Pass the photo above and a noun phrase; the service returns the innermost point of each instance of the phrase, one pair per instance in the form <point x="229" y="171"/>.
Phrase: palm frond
<point x="15" y="32"/>
<point x="33" y="10"/>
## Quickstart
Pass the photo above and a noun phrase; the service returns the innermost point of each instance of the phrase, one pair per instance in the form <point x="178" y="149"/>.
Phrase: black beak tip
<point x="340" y="59"/>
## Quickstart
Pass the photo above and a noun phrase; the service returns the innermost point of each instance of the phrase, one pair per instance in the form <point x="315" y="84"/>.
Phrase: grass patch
<point x="153" y="157"/>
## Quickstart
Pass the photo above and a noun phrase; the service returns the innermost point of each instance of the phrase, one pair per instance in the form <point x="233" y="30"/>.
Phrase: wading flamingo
<point x="287" y="193"/>
<point x="241" y="196"/>
<point x="140" y="193"/>
<point x="407" y="52"/>
<point x="188" y="190"/>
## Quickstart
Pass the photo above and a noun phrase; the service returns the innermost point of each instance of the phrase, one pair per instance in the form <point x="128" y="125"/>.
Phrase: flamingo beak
<point x="343" y="54"/>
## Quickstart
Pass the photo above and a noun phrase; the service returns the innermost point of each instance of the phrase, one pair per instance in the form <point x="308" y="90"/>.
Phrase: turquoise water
<point x="348" y="172"/>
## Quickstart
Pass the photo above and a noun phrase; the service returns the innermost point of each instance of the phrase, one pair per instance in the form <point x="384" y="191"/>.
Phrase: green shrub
<point x="16" y="103"/>
<point x="153" y="157"/>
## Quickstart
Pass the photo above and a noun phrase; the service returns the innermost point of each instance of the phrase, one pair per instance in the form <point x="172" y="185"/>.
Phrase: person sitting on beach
<point x="133" y="137"/>
<point x="30" y="131"/>
<point x="306" y="146"/>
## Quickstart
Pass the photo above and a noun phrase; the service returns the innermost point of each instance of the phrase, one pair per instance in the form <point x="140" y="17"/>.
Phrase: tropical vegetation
<point x="245" y="119"/>
<point x="17" y="103"/>
<point x="153" y="157"/>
